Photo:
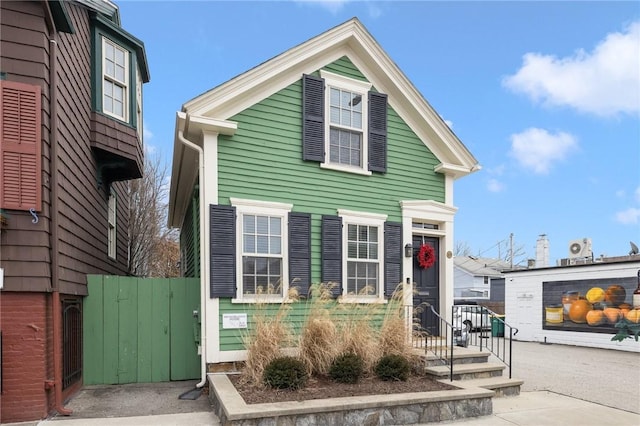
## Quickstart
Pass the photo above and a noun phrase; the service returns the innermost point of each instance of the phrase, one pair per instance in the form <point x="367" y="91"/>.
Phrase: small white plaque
<point x="234" y="320"/>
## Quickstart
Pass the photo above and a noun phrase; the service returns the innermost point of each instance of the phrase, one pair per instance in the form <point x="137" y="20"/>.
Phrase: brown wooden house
<point x="71" y="136"/>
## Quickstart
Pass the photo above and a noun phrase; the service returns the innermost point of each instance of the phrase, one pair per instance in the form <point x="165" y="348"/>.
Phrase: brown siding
<point x="114" y="138"/>
<point x="25" y="349"/>
<point x="82" y="204"/>
<point x="25" y="245"/>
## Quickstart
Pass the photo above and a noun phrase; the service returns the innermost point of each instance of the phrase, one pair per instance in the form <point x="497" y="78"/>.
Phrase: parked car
<point x="475" y="316"/>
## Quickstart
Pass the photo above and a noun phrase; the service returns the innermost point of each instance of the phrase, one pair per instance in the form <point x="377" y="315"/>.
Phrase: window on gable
<point x="115" y="79"/>
<point x="346" y="128"/>
<point x="262" y="229"/>
<point x="112" y="234"/>
<point x="344" y="124"/>
<point x="363" y="264"/>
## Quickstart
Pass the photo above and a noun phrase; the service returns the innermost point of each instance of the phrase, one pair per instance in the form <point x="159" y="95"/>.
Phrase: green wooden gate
<point x="138" y="330"/>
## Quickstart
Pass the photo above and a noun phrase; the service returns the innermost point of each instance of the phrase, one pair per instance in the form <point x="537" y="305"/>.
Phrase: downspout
<point x="203" y="293"/>
<point x="55" y="211"/>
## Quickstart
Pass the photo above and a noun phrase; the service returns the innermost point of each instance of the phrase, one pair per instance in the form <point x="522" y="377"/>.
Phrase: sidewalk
<point x="563" y="385"/>
<point x="530" y="408"/>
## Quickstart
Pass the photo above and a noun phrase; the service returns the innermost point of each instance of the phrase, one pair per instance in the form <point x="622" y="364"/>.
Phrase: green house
<point x="323" y="164"/>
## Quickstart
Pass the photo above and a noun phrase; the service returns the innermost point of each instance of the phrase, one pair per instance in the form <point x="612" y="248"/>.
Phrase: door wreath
<point x="426" y="256"/>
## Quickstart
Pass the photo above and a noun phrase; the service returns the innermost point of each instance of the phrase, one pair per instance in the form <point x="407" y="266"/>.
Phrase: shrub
<point x="347" y="368"/>
<point x="285" y="373"/>
<point x="393" y="367"/>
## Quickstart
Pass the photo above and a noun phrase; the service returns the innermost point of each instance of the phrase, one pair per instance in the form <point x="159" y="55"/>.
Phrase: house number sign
<point x="234" y="320"/>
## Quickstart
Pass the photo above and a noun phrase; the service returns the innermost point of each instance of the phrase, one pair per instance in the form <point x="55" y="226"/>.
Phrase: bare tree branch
<point x="153" y="248"/>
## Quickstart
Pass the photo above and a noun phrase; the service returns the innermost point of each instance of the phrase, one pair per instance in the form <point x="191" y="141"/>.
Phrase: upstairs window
<point x="344" y="124"/>
<point x="346" y="107"/>
<point x="345" y="134"/>
<point x="115" y="79"/>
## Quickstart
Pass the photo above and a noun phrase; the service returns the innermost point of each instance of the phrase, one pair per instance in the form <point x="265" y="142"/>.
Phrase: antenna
<point x="634" y="249"/>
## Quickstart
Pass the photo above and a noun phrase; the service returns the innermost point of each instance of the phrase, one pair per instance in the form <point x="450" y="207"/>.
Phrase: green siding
<point x="263" y="161"/>
<point x="231" y="340"/>
<point x="190" y="239"/>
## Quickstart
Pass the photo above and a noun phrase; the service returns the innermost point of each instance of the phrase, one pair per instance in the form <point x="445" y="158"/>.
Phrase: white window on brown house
<point x="115" y="81"/>
<point x="20" y="146"/>
<point x="112" y="234"/>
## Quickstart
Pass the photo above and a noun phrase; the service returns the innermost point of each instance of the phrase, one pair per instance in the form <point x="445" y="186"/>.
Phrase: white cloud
<point x="494" y="185"/>
<point x="449" y="123"/>
<point x="604" y="82"/>
<point x="538" y="150"/>
<point x="620" y="193"/>
<point x="630" y="216"/>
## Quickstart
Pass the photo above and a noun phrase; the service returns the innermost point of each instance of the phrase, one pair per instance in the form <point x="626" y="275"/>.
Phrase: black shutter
<point x="300" y="252"/>
<point x="332" y="252"/>
<point x="222" y="225"/>
<point x="392" y="257"/>
<point x="312" y="118"/>
<point x="377" y="132"/>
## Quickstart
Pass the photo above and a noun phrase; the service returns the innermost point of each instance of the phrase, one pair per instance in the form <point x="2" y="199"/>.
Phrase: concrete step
<point x="502" y="386"/>
<point x="460" y="356"/>
<point x="467" y="371"/>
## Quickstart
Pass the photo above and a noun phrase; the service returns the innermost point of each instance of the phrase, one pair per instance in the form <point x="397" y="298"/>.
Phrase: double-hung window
<point x="111" y="231"/>
<point x="262" y="231"/>
<point x="363" y="264"/>
<point x="115" y="79"/>
<point x="346" y="106"/>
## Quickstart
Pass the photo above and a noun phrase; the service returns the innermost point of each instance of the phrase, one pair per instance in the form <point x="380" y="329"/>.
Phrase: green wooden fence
<point x="138" y="330"/>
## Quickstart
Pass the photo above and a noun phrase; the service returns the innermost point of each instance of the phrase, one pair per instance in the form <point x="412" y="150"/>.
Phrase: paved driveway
<point x="603" y="376"/>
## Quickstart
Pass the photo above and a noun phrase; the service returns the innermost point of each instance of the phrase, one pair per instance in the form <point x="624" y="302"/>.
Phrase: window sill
<point x="252" y="299"/>
<point x="346" y="169"/>
<point x="363" y="299"/>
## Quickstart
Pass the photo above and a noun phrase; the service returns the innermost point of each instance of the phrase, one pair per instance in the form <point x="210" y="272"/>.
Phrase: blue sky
<point x="546" y="95"/>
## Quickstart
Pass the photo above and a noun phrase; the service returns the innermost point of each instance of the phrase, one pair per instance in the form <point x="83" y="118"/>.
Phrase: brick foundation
<point x="26" y="356"/>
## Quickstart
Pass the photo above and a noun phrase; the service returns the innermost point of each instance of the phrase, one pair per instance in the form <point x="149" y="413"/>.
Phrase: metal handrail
<point x="442" y="344"/>
<point x="497" y="344"/>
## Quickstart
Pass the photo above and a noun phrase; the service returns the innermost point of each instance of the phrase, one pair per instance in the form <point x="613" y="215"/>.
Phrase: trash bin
<point x="497" y="326"/>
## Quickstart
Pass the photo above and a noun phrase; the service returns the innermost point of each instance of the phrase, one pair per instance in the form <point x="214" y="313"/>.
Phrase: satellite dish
<point x="634" y="249"/>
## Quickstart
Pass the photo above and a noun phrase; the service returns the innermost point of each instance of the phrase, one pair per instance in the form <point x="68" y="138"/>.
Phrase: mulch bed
<point x="324" y="387"/>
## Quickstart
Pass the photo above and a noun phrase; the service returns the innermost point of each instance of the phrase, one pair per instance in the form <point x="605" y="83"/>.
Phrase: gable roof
<point x="349" y="39"/>
<point x="481" y="266"/>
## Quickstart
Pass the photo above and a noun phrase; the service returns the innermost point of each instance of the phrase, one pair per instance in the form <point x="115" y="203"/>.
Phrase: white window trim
<point x="350" y="217"/>
<point x="126" y="88"/>
<point x="357" y="86"/>
<point x="112" y="230"/>
<point x="267" y="208"/>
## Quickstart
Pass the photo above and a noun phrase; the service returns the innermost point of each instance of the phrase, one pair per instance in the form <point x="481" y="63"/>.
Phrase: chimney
<point x="542" y="251"/>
